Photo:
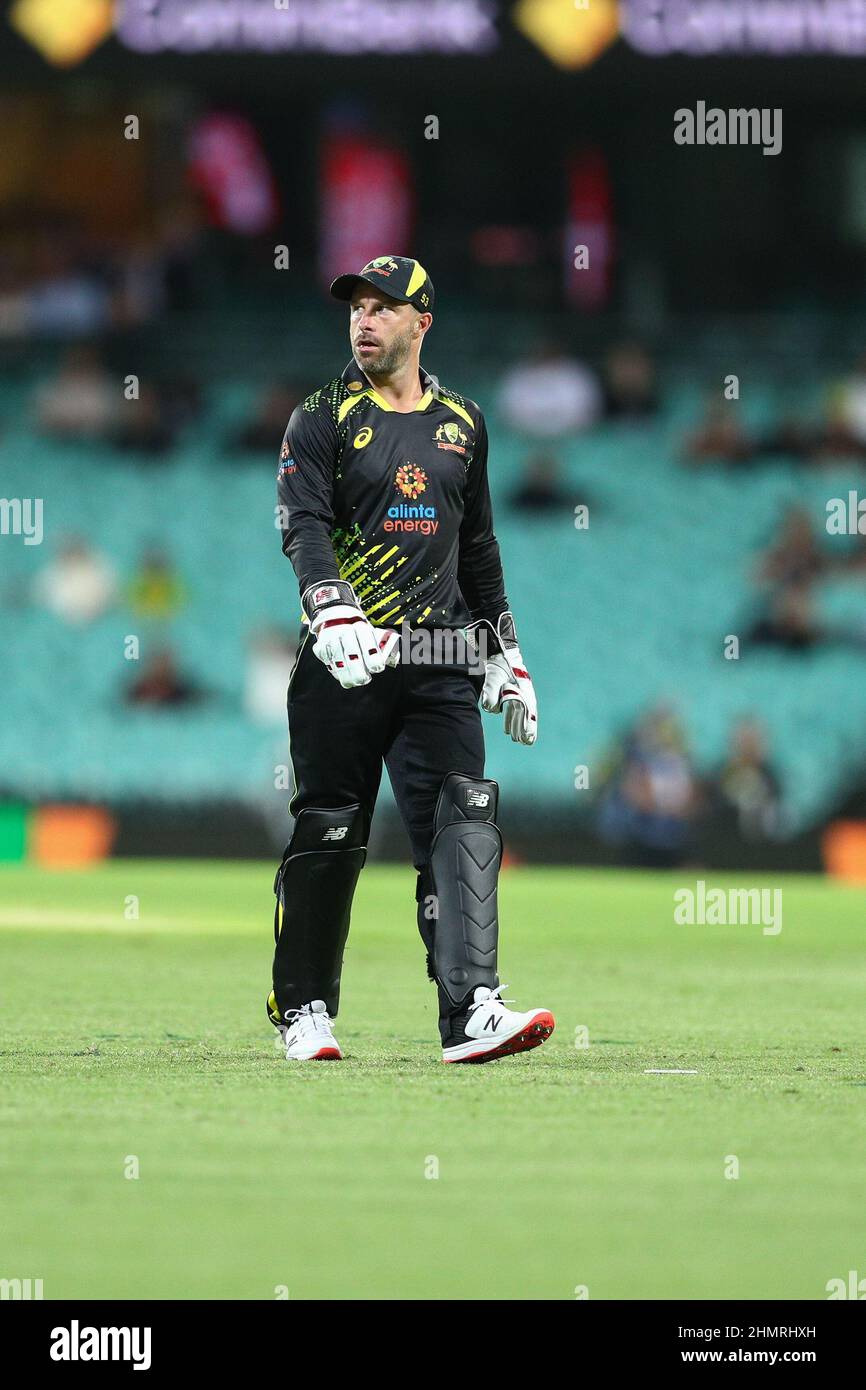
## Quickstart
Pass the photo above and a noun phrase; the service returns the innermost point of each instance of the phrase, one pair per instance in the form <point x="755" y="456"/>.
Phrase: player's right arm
<point x="305" y="494"/>
<point x="344" y="641"/>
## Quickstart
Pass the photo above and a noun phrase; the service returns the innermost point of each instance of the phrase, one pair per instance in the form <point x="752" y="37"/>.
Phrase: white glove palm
<point x="508" y="687"/>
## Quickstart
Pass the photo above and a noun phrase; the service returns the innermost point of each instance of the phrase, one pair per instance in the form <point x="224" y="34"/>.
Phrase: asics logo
<point x="336" y="832"/>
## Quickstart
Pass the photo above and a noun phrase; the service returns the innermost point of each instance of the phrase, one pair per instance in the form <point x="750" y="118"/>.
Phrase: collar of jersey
<point x="354" y="373"/>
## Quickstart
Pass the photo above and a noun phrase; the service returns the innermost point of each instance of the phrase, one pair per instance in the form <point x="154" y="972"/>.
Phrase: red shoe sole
<point x="538" y="1032"/>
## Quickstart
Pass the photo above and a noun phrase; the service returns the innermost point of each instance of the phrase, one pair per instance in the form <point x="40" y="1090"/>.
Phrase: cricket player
<point x="384" y="508"/>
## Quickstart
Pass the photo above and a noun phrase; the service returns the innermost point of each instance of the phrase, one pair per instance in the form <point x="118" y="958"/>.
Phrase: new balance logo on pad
<point x="336" y="832"/>
<point x="475" y="798"/>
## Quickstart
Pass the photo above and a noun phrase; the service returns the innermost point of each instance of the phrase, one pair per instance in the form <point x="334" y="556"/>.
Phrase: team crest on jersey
<point x="450" y="436"/>
<point x="410" y="480"/>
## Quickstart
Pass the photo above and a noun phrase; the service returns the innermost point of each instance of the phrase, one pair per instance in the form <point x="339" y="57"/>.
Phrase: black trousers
<point x="419" y="721"/>
<point x="422" y="722"/>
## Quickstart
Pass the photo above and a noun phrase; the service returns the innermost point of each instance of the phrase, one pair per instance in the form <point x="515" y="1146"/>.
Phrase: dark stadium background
<point x="712" y="261"/>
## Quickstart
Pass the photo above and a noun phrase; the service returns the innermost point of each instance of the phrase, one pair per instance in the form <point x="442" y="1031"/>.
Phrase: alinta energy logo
<point x="410" y="481"/>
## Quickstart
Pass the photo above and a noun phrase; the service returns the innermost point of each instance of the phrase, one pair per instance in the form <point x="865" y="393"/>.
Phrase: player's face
<point x="382" y="331"/>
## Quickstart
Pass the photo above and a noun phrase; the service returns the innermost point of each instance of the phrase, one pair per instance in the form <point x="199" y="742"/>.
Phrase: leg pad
<point x="314" y="888"/>
<point x="464" y="861"/>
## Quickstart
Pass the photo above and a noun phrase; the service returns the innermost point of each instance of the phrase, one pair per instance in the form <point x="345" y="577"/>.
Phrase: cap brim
<point x="343" y="286"/>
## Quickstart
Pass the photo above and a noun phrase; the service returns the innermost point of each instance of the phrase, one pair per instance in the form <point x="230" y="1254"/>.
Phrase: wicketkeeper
<point x="385" y="515"/>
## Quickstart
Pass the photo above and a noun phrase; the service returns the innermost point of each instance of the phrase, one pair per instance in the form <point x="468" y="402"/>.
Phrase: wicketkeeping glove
<point x="352" y="649"/>
<point x="508" y="686"/>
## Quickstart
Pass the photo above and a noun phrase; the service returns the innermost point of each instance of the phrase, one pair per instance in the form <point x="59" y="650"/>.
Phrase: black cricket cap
<point x="399" y="276"/>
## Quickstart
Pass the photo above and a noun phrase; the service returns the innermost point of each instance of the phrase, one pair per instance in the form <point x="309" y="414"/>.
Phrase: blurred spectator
<point x="787" y="571"/>
<point x="55" y="288"/>
<point x="82" y="401"/>
<point x="78" y="586"/>
<point x="181" y="402"/>
<point x="161" y="684"/>
<point x="138" y="282"/>
<point x="838" y="439"/>
<point x="792" y="437"/>
<point x="156" y="590"/>
<point x="539" y="490"/>
<point x="630" y="391"/>
<point x="789" y="620"/>
<point x="720" y="437"/>
<point x="264" y="433"/>
<point x="748" y="785"/>
<point x="57" y="279"/>
<point x="69" y="304"/>
<point x="650" y="794"/>
<point x="849" y="409"/>
<point x="795" y="556"/>
<point x="180" y="232"/>
<point x="142" y="427"/>
<point x="549" y="395"/>
<point x="271" y="656"/>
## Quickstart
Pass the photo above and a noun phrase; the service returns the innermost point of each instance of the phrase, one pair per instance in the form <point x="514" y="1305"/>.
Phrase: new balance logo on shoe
<point x="493" y="1023"/>
<point x="336" y="832"/>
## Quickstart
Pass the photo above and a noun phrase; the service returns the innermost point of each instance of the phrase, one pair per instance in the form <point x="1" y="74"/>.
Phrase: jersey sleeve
<point x="305" y="495"/>
<point x="479" y="567"/>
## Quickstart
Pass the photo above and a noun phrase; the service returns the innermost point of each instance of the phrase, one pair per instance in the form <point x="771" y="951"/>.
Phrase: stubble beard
<point x="391" y="359"/>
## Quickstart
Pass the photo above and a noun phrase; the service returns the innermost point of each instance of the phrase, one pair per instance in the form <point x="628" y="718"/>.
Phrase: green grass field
<point x="562" y="1168"/>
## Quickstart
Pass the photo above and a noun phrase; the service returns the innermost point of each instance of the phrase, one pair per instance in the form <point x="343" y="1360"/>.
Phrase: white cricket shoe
<point x="490" y="1030"/>
<point x="307" y="1037"/>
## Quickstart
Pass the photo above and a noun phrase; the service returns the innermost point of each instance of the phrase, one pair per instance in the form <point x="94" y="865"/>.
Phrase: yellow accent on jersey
<point x="378" y="400"/>
<point x="382" y="558"/>
<point x="349" y="404"/>
<point x="386" y="599"/>
<point x="347" y="569"/>
<point x="351" y="401"/>
<point x="464" y="414"/>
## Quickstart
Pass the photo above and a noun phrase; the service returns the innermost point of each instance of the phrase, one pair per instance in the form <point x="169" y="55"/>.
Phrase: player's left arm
<point x="507" y="684"/>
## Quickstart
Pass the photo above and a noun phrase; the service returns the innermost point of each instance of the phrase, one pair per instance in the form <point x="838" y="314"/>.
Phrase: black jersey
<point x="397" y="504"/>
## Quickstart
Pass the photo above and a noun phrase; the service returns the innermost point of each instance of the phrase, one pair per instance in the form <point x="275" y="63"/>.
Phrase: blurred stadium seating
<point x="646" y="595"/>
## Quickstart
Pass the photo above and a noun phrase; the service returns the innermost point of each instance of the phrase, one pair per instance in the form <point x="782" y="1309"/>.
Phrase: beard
<point x="391" y="359"/>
